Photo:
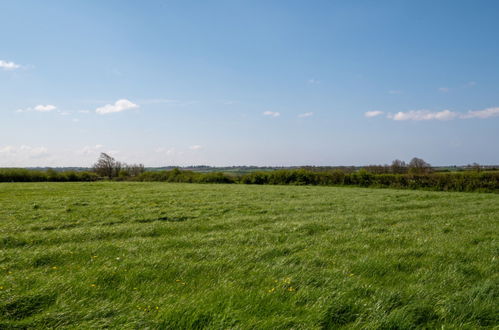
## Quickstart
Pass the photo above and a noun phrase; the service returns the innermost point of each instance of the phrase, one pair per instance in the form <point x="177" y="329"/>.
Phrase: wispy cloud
<point x="424" y="115"/>
<point x="196" y="147"/>
<point x="172" y="102"/>
<point x="118" y="106"/>
<point x="305" y="115"/>
<point x="313" y="81"/>
<point x="24" y="151"/>
<point x="167" y="151"/>
<point x="444" y="89"/>
<point x="471" y="83"/>
<point x="370" y="114"/>
<point x="6" y="65"/>
<point x="487" y="113"/>
<point x="395" y="92"/>
<point x="39" y="108"/>
<point x="271" y="114"/>
<point x="91" y="150"/>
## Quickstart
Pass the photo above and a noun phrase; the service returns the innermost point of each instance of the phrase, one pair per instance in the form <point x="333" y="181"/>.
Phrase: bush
<point x="24" y="175"/>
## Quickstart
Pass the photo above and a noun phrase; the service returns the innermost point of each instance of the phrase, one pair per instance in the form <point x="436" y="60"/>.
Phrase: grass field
<point x="156" y="255"/>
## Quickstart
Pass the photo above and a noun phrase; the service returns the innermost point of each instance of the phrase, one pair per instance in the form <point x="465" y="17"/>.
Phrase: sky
<point x="267" y="83"/>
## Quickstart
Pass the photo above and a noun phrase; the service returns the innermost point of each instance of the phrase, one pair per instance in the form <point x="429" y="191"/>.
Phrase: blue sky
<point x="249" y="82"/>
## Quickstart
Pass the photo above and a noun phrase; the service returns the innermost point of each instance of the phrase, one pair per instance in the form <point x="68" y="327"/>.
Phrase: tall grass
<point x="148" y="255"/>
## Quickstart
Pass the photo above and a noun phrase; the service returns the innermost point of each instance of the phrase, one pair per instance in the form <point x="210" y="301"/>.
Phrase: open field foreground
<point x="156" y="255"/>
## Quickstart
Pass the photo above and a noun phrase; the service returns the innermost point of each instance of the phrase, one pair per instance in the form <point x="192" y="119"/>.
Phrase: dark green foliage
<point x="24" y="175"/>
<point x="25" y="306"/>
<point x="443" y="181"/>
<point x="457" y="181"/>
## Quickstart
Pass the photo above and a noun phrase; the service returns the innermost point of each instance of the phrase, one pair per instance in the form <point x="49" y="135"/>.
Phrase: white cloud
<point x="45" y="108"/>
<point x="419" y="115"/>
<point x="444" y="89"/>
<point x="91" y="150"/>
<point x="424" y="115"/>
<point x="471" y="83"/>
<point x="196" y="147"/>
<point x="118" y="106"/>
<point x="305" y="115"/>
<point x="39" y="108"/>
<point x="24" y="152"/>
<point x="271" y="114"/>
<point x="6" y="65"/>
<point x="490" y="112"/>
<point x="370" y="114"/>
<point x="313" y="81"/>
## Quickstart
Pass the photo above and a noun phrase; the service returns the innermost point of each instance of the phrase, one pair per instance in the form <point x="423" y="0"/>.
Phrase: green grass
<point x="156" y="255"/>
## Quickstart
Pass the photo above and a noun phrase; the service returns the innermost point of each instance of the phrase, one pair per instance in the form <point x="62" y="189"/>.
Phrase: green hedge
<point x="447" y="181"/>
<point x="24" y="175"/>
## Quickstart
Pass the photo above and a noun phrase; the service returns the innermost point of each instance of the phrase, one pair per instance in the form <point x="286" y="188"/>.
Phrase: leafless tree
<point x="419" y="166"/>
<point x="134" y="169"/>
<point x="398" y="167"/>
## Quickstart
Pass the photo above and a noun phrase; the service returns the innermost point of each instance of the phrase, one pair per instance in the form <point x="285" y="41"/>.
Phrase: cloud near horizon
<point x="118" y="106"/>
<point x="24" y="152"/>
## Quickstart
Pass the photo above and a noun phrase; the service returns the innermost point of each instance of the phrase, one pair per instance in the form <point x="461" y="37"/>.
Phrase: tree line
<point x="417" y="174"/>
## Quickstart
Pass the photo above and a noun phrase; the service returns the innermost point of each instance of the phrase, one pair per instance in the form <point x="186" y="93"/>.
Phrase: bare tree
<point x="419" y="166"/>
<point x="134" y="169"/>
<point x="106" y="166"/>
<point x="398" y="167"/>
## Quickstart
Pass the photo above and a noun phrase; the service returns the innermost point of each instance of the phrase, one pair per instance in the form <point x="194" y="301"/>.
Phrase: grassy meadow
<point x="165" y="255"/>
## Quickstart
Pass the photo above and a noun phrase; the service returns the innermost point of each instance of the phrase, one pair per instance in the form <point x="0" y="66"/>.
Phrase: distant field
<point x="162" y="255"/>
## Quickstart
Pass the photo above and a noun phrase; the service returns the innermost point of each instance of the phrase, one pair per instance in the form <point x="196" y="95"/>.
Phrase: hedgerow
<point x="446" y="181"/>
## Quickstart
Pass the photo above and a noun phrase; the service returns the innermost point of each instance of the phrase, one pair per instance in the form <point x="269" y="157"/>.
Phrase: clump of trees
<point x="415" y="166"/>
<point x="108" y="167"/>
<point x="417" y="174"/>
<point x="419" y="166"/>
